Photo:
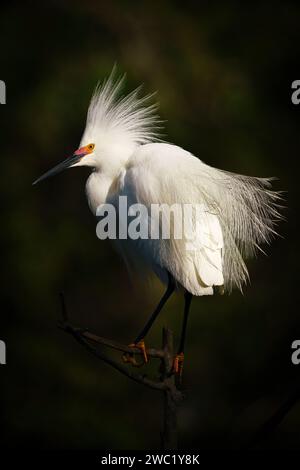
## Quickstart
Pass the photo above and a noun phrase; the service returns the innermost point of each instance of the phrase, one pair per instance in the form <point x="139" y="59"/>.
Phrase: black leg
<point x="163" y="300"/>
<point x="187" y="303"/>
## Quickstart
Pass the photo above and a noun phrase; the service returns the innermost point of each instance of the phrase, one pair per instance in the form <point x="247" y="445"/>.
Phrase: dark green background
<point x="223" y="74"/>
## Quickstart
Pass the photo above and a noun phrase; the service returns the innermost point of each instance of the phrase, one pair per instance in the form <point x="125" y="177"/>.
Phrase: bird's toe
<point x="178" y="364"/>
<point x="130" y="358"/>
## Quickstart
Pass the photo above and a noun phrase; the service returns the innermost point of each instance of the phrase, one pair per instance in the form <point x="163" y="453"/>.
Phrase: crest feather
<point x="129" y="117"/>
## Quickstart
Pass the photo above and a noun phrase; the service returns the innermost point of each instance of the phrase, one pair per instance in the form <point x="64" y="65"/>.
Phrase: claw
<point x="129" y="357"/>
<point x="141" y="346"/>
<point x="178" y="364"/>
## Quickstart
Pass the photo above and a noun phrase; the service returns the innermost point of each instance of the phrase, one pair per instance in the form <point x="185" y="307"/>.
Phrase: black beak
<point x="60" y="167"/>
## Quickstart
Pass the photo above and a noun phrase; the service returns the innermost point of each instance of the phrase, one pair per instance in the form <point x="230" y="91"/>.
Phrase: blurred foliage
<point x="223" y="72"/>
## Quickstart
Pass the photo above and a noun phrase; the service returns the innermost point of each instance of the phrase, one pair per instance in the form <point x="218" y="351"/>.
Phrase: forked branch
<point x="165" y="383"/>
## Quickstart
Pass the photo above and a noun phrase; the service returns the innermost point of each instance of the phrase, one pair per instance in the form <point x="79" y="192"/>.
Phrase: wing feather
<point x="239" y="214"/>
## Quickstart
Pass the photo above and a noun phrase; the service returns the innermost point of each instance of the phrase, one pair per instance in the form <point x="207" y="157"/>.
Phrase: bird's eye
<point x="91" y="147"/>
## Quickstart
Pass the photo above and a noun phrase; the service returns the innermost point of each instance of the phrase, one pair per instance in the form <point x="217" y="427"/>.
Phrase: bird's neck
<point x="97" y="188"/>
<point x="116" y="157"/>
<point x="103" y="179"/>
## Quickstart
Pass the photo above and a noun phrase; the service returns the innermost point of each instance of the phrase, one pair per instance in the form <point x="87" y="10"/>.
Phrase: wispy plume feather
<point x="248" y="211"/>
<point x="131" y="116"/>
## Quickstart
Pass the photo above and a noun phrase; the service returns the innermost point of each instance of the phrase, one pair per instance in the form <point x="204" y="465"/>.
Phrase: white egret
<point x="121" y="145"/>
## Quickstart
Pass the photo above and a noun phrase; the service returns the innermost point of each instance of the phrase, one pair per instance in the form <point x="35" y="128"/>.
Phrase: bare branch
<point x="142" y="379"/>
<point x="82" y="337"/>
<point x="157" y="353"/>
<point x="166" y="383"/>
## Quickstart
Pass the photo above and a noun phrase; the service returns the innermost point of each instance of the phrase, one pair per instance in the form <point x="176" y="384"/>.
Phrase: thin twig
<point x="82" y="337"/>
<point x="157" y="353"/>
<point x="166" y="383"/>
<point x="142" y="379"/>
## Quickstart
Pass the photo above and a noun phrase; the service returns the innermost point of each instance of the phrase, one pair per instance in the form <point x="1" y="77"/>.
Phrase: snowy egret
<point x="121" y="144"/>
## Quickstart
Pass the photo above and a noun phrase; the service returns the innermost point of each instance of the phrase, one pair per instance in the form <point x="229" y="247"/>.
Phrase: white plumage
<point x="238" y="214"/>
<point x="121" y="143"/>
<point x="234" y="214"/>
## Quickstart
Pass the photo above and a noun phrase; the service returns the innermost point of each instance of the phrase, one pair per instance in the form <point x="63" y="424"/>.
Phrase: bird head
<point x="115" y="126"/>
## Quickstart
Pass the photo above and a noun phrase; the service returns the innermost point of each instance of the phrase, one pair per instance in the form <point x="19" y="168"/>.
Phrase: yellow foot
<point x="178" y="364"/>
<point x="141" y="346"/>
<point x="129" y="357"/>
